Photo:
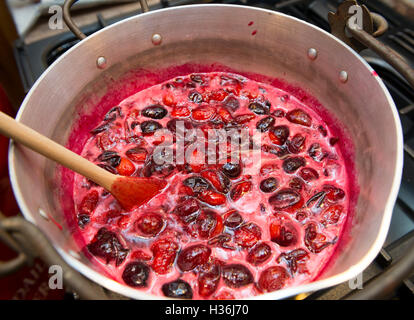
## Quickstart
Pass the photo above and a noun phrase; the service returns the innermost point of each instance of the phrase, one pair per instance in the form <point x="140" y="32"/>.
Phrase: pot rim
<point x="283" y="293"/>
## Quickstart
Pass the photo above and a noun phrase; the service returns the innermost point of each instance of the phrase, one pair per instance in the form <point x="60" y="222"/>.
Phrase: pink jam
<point x="225" y="230"/>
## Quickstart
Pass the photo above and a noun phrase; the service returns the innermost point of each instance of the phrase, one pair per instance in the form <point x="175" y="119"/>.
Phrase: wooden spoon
<point x="129" y="191"/>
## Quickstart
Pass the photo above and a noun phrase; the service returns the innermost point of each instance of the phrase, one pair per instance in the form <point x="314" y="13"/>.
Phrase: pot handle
<point x="15" y="264"/>
<point x="383" y="51"/>
<point x="74" y="28"/>
<point x="12" y="227"/>
<point x="345" y="28"/>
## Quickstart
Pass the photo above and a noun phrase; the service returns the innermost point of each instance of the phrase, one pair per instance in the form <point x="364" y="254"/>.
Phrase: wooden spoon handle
<point x="54" y="151"/>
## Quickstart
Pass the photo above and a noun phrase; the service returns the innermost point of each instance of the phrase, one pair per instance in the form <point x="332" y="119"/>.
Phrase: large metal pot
<point x="340" y="79"/>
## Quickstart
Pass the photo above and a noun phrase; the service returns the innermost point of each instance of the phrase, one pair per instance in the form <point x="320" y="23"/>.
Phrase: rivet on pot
<point x="343" y="76"/>
<point x="43" y="214"/>
<point x="101" y="62"/>
<point x="156" y="39"/>
<point x="312" y="53"/>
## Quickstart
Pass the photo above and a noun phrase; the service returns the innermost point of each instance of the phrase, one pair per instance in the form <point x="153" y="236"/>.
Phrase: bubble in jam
<point x="240" y="216"/>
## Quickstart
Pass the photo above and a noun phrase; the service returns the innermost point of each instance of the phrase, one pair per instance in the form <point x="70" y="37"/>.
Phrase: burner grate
<point x="405" y="39"/>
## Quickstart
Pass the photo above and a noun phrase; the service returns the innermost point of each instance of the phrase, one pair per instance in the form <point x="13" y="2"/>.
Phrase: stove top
<point x="34" y="58"/>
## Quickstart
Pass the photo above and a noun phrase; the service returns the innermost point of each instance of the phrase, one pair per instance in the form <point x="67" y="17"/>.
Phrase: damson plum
<point x="192" y="257"/>
<point x="113" y="114"/>
<point x="208" y="279"/>
<point x="212" y="198"/>
<point x="89" y="203"/>
<point x="316" y="153"/>
<point x="209" y="224"/>
<point x="259" y="254"/>
<point x="231" y="103"/>
<point x="110" y="157"/>
<point x="299" y="116"/>
<point x="101" y="128"/>
<point x="215" y="95"/>
<point x="125" y="167"/>
<point x="136" y="274"/>
<point x="284" y="199"/>
<point x="161" y="170"/>
<point x="137" y="154"/>
<point x="217" y="179"/>
<point x="149" y="127"/>
<point x="296" y="144"/>
<point x="259" y="108"/>
<point x="292" y="164"/>
<point x="197" y="184"/>
<point x="178" y="289"/>
<point x="280" y="152"/>
<point x="179" y="127"/>
<point x="333" y="193"/>
<point x="188" y="210"/>
<point x="106" y="245"/>
<point x="269" y="184"/>
<point x="279" y="135"/>
<point x="164" y="251"/>
<point x="232" y="219"/>
<point x="308" y="174"/>
<point x="198" y="78"/>
<point x="272" y="279"/>
<point x="223" y="116"/>
<point x="203" y="113"/>
<point x="296" y="183"/>
<point x="284" y="234"/>
<point x="236" y="275"/>
<point x="149" y="224"/>
<point x="195" y="97"/>
<point x="244" y="118"/>
<point x="265" y="124"/>
<point x="247" y="235"/>
<point x="154" y="111"/>
<point x="232" y="170"/>
<point x="240" y="189"/>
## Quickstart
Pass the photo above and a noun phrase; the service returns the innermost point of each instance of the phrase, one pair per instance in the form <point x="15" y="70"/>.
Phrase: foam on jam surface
<point x="286" y="235"/>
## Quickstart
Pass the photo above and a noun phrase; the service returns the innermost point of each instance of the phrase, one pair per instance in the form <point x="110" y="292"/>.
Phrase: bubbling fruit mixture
<point x="227" y="230"/>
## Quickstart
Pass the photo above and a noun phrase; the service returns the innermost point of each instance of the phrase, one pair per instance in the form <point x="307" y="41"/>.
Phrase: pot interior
<point x="203" y="38"/>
